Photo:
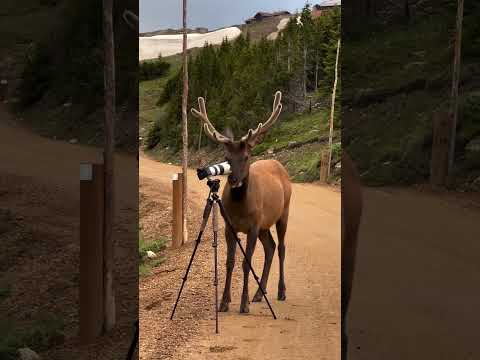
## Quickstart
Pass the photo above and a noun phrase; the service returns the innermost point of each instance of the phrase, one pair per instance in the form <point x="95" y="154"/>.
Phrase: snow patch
<point x="152" y="46"/>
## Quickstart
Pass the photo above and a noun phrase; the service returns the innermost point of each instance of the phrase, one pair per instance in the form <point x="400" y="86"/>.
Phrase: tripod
<point x="214" y="202"/>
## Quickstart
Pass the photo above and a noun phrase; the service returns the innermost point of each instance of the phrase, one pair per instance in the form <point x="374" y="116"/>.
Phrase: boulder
<point x="151" y="254"/>
<point x="473" y="145"/>
<point x="27" y="354"/>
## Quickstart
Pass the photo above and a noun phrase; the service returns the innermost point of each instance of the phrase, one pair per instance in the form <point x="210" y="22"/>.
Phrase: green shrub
<point x="146" y="264"/>
<point x="44" y="333"/>
<point x="37" y="75"/>
<point x="153" y="69"/>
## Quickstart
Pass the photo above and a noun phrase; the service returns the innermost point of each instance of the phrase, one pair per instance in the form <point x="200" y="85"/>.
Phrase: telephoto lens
<point x="214" y="170"/>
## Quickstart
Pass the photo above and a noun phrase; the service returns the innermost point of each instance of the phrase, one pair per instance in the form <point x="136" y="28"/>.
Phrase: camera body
<point x="223" y="168"/>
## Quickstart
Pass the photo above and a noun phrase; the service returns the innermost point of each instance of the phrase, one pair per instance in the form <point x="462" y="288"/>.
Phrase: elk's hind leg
<point x="269" y="246"/>
<point x="281" y="230"/>
<point x="231" y="248"/>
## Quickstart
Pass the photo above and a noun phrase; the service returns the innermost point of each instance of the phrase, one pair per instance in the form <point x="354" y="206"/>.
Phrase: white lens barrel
<point x="219" y="169"/>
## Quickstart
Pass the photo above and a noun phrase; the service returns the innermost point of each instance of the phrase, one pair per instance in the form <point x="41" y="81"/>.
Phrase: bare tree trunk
<point x="305" y="71"/>
<point x="332" y="111"/>
<point x="289" y="66"/>
<point x="406" y="5"/>
<point x="108" y="243"/>
<point x="454" y="94"/>
<point x="184" y="124"/>
<point x="316" y="75"/>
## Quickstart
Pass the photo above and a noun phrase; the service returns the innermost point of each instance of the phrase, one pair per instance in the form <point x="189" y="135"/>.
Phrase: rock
<point x="270" y="151"/>
<point x="67" y="104"/>
<point x="292" y="143"/>
<point x="27" y="354"/>
<point x="338" y="165"/>
<point x="151" y="254"/>
<point x="473" y="145"/>
<point x="73" y="141"/>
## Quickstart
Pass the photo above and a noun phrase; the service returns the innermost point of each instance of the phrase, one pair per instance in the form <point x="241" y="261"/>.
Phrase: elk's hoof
<point x="223" y="307"/>
<point x="244" y="308"/>
<point x="258" y="297"/>
<point x="282" y="296"/>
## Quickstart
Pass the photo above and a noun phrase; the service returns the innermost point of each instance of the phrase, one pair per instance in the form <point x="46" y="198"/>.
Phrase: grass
<point x="5" y="291"/>
<point x="146" y="265"/>
<point x="42" y="334"/>
<point x="298" y="129"/>
<point x="149" y="93"/>
<point x="390" y="112"/>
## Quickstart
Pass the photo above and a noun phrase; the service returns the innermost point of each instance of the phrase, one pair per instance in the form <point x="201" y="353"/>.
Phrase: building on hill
<point x="261" y="15"/>
<point x="324" y="6"/>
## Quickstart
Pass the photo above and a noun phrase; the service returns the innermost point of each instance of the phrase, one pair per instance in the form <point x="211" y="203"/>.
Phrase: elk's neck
<point x="239" y="193"/>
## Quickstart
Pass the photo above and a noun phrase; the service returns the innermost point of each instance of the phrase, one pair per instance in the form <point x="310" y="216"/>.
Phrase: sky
<point x="213" y="14"/>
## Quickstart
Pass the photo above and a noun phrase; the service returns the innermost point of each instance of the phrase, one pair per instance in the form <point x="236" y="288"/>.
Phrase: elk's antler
<point x="131" y="19"/>
<point x="255" y="135"/>
<point x="209" y="129"/>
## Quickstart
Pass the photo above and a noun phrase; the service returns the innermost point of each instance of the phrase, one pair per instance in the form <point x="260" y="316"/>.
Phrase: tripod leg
<point x="229" y="223"/>
<point x="206" y="214"/>
<point x="215" y="244"/>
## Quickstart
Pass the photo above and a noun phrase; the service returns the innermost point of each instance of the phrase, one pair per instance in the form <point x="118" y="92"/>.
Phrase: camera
<point x="214" y="170"/>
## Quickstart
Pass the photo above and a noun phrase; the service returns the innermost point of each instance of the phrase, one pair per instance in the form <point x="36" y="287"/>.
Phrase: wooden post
<point x="91" y="252"/>
<point x="324" y="166"/>
<point x="177" y="218"/>
<point x="332" y="112"/>
<point x="109" y="98"/>
<point x="440" y="150"/>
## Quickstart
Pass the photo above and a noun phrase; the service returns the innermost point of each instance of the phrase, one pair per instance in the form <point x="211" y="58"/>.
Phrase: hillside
<point x="240" y="78"/>
<point x="394" y="107"/>
<point x="52" y="62"/>
<point x="168" y="42"/>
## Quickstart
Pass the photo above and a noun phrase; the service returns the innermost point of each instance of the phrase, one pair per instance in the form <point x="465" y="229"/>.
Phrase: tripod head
<point x="213" y="184"/>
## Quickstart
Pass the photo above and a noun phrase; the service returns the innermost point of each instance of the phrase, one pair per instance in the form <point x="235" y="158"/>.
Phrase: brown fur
<point x="351" y="215"/>
<point x="256" y="197"/>
<point x="261" y="202"/>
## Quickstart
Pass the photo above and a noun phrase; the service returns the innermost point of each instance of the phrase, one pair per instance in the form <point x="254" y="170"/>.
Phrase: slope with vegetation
<point x="53" y="53"/>
<point x="238" y="80"/>
<point x="398" y="77"/>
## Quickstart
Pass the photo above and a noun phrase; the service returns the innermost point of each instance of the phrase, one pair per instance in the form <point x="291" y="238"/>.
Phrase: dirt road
<point x="308" y="321"/>
<point x="39" y="191"/>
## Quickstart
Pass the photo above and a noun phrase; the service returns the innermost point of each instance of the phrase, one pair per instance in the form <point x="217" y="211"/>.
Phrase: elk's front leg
<point x="251" y="242"/>
<point x="231" y="248"/>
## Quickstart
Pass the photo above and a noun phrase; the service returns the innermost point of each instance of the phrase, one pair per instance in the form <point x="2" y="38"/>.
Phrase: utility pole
<point x="184" y="124"/>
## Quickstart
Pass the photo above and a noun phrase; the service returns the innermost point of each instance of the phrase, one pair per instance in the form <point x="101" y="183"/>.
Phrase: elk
<point x="256" y="197"/>
<point x="351" y="216"/>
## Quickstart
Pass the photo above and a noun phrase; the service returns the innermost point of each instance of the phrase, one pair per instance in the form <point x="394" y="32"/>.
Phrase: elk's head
<point x="238" y="152"/>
